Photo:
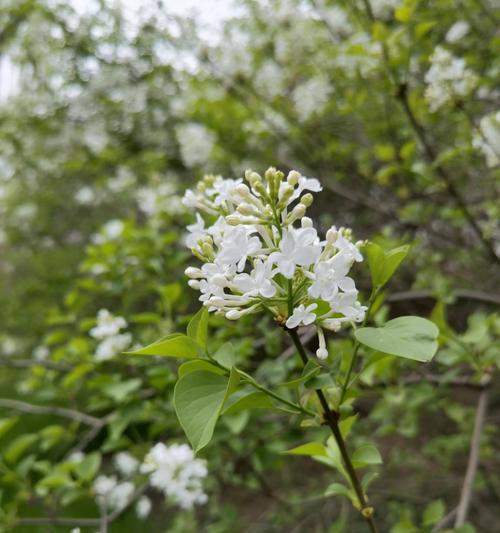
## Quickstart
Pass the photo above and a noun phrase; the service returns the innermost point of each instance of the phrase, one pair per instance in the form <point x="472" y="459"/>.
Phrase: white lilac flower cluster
<point x="176" y="472"/>
<point x="260" y="252"/>
<point x="107" y="331"/>
<point x="447" y="78"/>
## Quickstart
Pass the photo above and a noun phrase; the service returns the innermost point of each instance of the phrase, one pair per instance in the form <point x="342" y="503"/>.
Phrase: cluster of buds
<point x="260" y="252"/>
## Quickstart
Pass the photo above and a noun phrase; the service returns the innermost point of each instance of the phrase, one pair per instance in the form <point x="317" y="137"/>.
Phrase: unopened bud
<point x="331" y="235"/>
<point x="270" y="172"/>
<point x="246" y="209"/>
<point x="333" y="324"/>
<point x="293" y="178"/>
<point x="207" y="249"/>
<point x="307" y="199"/>
<point x="194" y="284"/>
<point x="306" y="222"/>
<point x="299" y="211"/>
<point x="193" y="273"/>
<point x="233" y="220"/>
<point x="234" y="314"/>
<point x="322" y="353"/>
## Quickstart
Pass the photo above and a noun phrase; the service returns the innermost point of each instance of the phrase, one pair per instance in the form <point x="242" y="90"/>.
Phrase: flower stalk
<point x="331" y="419"/>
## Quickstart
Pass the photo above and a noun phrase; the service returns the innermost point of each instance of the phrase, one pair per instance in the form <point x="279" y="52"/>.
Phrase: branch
<point x="52" y="410"/>
<point x="472" y="464"/>
<point x="29" y="363"/>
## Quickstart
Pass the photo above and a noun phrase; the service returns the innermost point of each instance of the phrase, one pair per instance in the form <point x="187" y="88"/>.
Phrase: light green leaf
<point x="121" y="391"/>
<point x="311" y="369"/>
<point x="312" y="449"/>
<point x="198" y="400"/>
<point x="366" y="455"/>
<point x="88" y="468"/>
<point x="225" y="355"/>
<point x="175" y="345"/>
<point x="198" y="327"/>
<point x="199" y="364"/>
<point x="411" y="337"/>
<point x="433" y="513"/>
<point x="383" y="264"/>
<point x="253" y="400"/>
<point x="337" y="489"/>
<point x="7" y="423"/>
<point x="19" y="446"/>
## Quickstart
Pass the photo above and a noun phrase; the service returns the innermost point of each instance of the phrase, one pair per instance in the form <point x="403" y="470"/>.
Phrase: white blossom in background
<point x="41" y="353"/>
<point x="109" y="232"/>
<point x="160" y="198"/>
<point x="447" y="78"/>
<point x="268" y="79"/>
<point x="112" y="494"/>
<point x="384" y="8"/>
<point x="261" y="253"/>
<point x="196" y="143"/>
<point x="337" y="20"/>
<point x="311" y="97"/>
<point x="85" y="196"/>
<point x="487" y="139"/>
<point x="107" y="331"/>
<point x="176" y="472"/>
<point x="457" y="31"/>
<point x="143" y="507"/>
<point x="125" y="463"/>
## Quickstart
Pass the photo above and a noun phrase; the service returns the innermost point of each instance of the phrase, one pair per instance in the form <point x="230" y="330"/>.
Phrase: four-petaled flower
<point x="302" y="316"/>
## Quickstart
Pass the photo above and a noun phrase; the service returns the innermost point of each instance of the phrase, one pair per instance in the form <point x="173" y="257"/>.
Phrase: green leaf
<point x="198" y="400"/>
<point x="199" y="364"/>
<point x="311" y="369"/>
<point x="19" y="446"/>
<point x="198" y="327"/>
<point x="433" y="513"/>
<point x="383" y="264"/>
<point x="88" y="468"/>
<point x="254" y="400"/>
<point x="366" y="455"/>
<point x="7" y="423"/>
<point x="337" y="489"/>
<point x="225" y="355"/>
<point x="175" y="345"/>
<point x="312" y="449"/>
<point x="411" y="337"/>
<point x="122" y="390"/>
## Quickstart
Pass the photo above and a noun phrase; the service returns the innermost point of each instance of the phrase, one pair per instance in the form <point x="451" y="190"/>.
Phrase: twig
<point x="472" y="464"/>
<point x="51" y="410"/>
<point x="445" y="521"/>
<point x="28" y="363"/>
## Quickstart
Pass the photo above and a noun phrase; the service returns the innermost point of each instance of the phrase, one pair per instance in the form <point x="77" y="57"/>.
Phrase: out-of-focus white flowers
<point x="112" y="494"/>
<point x="107" y="331"/>
<point x="126" y="463"/>
<point x="457" y="31"/>
<point x="261" y="253"/>
<point x="143" y="507"/>
<point x="109" y="232"/>
<point x="159" y="198"/>
<point x="448" y="78"/>
<point x="311" y="97"/>
<point x="196" y="143"/>
<point x="176" y="472"/>
<point x="487" y="139"/>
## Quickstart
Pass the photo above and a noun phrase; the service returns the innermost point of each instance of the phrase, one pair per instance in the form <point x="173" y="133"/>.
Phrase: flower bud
<point x="193" y="273"/>
<point x="270" y="173"/>
<point x="233" y="220"/>
<point x="285" y="196"/>
<point x="298" y="211"/>
<point x="331" y="235"/>
<point x="322" y="353"/>
<point x="194" y="284"/>
<point x="242" y="190"/>
<point x="234" y="314"/>
<point x="207" y="249"/>
<point x="247" y="209"/>
<point x="293" y="178"/>
<point x="307" y="199"/>
<point x="306" y="222"/>
<point x="333" y="324"/>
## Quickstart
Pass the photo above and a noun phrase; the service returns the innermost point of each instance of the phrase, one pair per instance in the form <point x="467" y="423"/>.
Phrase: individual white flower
<point x="126" y="463"/>
<point x="259" y="281"/>
<point x="346" y="304"/>
<point x="196" y="231"/>
<point x="302" y="316"/>
<point x="143" y="507"/>
<point x="111" y="346"/>
<point x="331" y="276"/>
<point x="457" y="31"/>
<point x="196" y="143"/>
<point x="223" y="190"/>
<point x="297" y="247"/>
<point x="107" y="325"/>
<point x="236" y="246"/>
<point x="177" y="473"/>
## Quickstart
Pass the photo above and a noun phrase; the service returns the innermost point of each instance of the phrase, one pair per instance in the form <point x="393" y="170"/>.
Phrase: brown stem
<point x="331" y="419"/>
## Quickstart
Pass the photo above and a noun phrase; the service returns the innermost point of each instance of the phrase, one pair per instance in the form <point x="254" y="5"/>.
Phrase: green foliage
<point x="411" y="337"/>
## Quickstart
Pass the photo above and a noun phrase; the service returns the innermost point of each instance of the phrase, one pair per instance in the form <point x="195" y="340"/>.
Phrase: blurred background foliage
<point x="114" y="116"/>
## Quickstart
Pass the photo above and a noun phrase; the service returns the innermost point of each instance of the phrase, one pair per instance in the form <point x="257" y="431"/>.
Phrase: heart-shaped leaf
<point x="198" y="327"/>
<point x="411" y="337"/>
<point x="198" y="400"/>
